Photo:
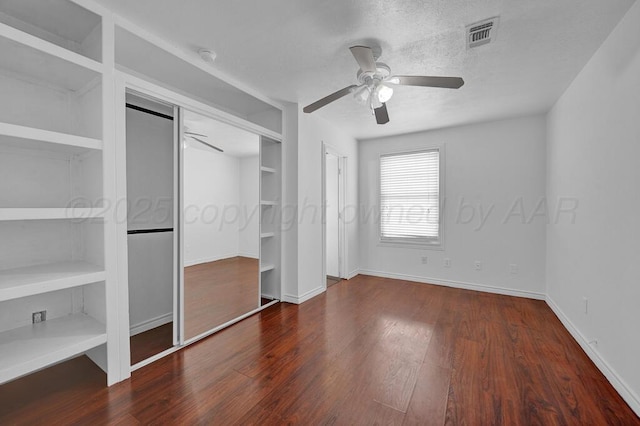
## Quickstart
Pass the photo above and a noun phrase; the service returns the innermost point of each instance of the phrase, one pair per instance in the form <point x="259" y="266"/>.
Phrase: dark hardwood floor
<point x="151" y="342"/>
<point x="332" y="281"/>
<point x="217" y="292"/>
<point x="368" y="351"/>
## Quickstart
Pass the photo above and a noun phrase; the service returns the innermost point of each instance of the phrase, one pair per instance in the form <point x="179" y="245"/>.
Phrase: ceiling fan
<point x="198" y="138"/>
<point x="375" y="84"/>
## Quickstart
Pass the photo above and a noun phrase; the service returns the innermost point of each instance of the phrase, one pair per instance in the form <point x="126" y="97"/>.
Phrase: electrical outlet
<point x="37" y="317"/>
<point x="585" y="303"/>
<point x="513" y="269"/>
<point x="478" y="265"/>
<point x="424" y="259"/>
<point x="447" y="262"/>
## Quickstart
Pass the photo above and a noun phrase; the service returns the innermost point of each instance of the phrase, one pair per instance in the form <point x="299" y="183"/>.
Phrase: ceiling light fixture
<point x="361" y="94"/>
<point x="374" y="100"/>
<point x="383" y="92"/>
<point x="375" y="78"/>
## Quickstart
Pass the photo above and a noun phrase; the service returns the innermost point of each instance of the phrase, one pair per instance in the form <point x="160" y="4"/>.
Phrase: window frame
<point x="401" y="242"/>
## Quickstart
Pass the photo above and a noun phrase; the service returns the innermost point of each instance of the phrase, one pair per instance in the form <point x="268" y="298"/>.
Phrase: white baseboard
<point x="151" y="324"/>
<point x="209" y="259"/>
<point x="249" y="255"/>
<point x="304" y="297"/>
<point x="616" y="381"/>
<point x="456" y="284"/>
<point x="268" y="296"/>
<point x="353" y="273"/>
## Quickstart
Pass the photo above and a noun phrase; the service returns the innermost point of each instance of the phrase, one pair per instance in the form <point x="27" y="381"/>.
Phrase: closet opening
<point x="203" y="222"/>
<point x="151" y="164"/>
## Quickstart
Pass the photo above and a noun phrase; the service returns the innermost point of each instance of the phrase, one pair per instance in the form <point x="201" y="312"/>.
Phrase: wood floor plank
<point x="151" y="342"/>
<point x="368" y="351"/>
<point x="430" y="395"/>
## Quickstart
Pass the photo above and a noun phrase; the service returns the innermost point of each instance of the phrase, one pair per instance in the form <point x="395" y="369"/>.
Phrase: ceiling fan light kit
<point x="374" y="84"/>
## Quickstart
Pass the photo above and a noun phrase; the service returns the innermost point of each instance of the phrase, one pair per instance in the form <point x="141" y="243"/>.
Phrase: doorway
<point x="334" y="184"/>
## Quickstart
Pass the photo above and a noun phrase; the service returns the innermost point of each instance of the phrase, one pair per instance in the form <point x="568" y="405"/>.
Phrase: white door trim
<point x="342" y="242"/>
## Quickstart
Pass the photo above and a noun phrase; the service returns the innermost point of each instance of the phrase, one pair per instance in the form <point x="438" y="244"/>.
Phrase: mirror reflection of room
<point x="221" y="214"/>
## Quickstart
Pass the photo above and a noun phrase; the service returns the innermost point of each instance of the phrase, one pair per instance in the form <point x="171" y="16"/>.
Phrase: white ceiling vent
<point x="482" y="32"/>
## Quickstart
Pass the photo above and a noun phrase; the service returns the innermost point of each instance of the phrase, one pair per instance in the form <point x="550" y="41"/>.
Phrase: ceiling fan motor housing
<point x="382" y="73"/>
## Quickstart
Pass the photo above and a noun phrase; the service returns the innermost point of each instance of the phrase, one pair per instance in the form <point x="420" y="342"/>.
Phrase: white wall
<point x="150" y="153"/>
<point x="248" y="239"/>
<point x="211" y="200"/>
<point x="593" y="152"/>
<point x="150" y="280"/>
<point x="489" y="169"/>
<point x="312" y="132"/>
<point x="149" y="169"/>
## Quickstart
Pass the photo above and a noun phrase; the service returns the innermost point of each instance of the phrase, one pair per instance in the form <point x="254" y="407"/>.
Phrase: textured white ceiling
<point x="297" y="51"/>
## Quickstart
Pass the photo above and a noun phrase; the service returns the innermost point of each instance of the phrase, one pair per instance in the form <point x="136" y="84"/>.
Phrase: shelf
<point x="32" y="138"/>
<point x="26" y="55"/>
<point x="267" y="267"/>
<point x="27" y="349"/>
<point x="267" y="234"/>
<point x="268" y="169"/>
<point x="268" y="203"/>
<point x="7" y="214"/>
<point x="27" y="281"/>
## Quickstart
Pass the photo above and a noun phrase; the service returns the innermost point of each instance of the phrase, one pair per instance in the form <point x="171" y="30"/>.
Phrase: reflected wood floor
<point x="217" y="292"/>
<point x="368" y="351"/>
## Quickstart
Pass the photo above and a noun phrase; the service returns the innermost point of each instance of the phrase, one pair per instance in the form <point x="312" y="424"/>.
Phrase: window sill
<point x="408" y="245"/>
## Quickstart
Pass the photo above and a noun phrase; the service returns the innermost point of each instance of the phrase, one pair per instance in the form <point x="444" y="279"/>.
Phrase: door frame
<point x="177" y="314"/>
<point x="342" y="196"/>
<point x="125" y="82"/>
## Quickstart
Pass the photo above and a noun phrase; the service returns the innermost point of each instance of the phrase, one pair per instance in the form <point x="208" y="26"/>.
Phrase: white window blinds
<point x="410" y="197"/>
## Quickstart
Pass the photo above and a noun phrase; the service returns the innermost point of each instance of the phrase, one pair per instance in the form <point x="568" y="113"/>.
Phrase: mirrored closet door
<point x="221" y="223"/>
<point x="203" y="219"/>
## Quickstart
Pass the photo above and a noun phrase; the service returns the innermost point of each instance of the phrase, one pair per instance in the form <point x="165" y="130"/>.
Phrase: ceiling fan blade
<point x="382" y="116"/>
<point x="364" y="57"/>
<point x="206" y="143"/>
<point x="421" y="80"/>
<point x="328" y="99"/>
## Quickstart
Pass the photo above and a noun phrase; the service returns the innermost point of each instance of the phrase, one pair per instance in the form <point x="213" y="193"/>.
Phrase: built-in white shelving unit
<point x="52" y="225"/>
<point x="265" y="267"/>
<point x="29" y="137"/>
<point x="30" y="280"/>
<point x="62" y="68"/>
<point x="33" y="347"/>
<point x="49" y="213"/>
<point x="270" y="195"/>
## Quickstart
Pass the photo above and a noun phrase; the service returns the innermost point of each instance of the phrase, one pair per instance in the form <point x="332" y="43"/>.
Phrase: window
<point x="410" y="198"/>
